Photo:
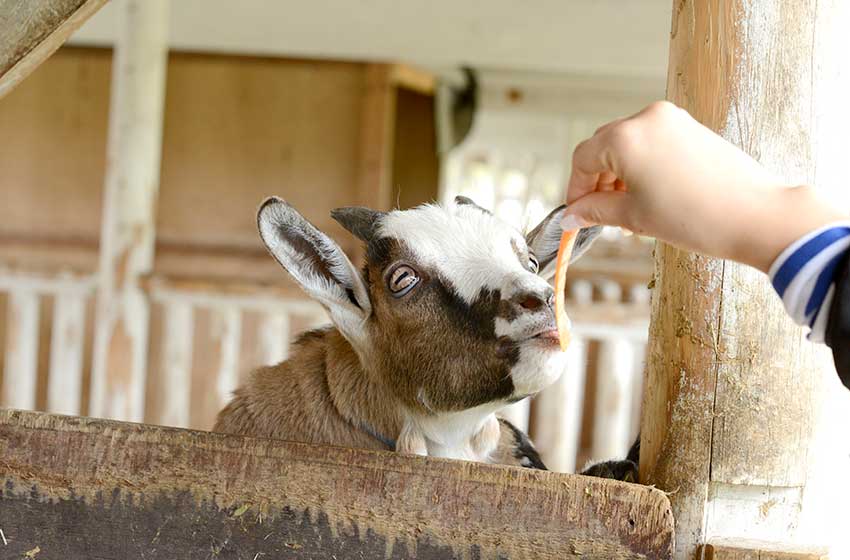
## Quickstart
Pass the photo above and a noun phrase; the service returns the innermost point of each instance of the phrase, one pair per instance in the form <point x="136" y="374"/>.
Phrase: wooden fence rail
<point x="80" y="488"/>
<point x="209" y="335"/>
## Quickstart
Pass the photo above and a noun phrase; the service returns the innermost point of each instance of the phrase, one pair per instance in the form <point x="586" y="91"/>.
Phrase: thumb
<point x="607" y="208"/>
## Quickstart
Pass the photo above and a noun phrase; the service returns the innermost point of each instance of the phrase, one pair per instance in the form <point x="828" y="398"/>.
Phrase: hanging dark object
<point x="457" y="103"/>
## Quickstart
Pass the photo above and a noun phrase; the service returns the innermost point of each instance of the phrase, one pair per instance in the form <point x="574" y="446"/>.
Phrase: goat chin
<point x="537" y="368"/>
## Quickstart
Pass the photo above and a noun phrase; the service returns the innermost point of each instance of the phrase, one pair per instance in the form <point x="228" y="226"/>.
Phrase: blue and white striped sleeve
<point x="804" y="275"/>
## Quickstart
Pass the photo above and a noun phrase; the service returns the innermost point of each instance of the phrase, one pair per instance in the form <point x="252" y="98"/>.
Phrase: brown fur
<point x="320" y="395"/>
<point x="443" y="348"/>
<point x="426" y="353"/>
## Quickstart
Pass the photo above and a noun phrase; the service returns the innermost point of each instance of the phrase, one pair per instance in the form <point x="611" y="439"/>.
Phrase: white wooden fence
<point x="207" y="338"/>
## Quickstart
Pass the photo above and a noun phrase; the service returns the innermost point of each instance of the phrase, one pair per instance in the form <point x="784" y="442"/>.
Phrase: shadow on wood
<point x="77" y="487"/>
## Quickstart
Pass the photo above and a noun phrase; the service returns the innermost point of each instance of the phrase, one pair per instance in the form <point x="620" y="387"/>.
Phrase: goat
<point x="450" y="320"/>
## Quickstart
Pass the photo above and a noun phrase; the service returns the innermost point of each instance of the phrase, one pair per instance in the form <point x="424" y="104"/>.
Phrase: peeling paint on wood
<point x="169" y="493"/>
<point x="127" y="233"/>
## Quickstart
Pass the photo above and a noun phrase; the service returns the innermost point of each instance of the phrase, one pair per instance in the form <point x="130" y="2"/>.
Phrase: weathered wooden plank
<point x="32" y="30"/>
<point x="170" y="493"/>
<point x="758" y="551"/>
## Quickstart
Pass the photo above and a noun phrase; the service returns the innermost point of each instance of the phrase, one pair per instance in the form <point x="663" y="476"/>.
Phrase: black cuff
<point x="838" y="324"/>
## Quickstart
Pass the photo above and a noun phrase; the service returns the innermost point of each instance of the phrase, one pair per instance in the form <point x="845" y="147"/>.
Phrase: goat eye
<point x="402" y="280"/>
<point x="533" y="265"/>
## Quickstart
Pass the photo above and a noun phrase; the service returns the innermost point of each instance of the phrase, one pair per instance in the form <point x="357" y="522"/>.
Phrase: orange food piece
<point x="565" y="251"/>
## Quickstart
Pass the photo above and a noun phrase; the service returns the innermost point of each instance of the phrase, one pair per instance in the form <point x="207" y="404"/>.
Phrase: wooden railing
<point x="206" y="336"/>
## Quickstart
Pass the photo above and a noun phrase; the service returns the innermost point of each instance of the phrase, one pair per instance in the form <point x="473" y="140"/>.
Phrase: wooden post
<point x="733" y="387"/>
<point x="127" y="232"/>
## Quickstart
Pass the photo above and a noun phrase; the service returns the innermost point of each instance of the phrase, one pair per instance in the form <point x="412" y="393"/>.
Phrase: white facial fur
<point x="473" y="251"/>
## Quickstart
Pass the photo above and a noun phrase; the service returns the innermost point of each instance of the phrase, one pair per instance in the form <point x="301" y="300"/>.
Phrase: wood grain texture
<point x="377" y="130"/>
<point x="32" y="30"/>
<point x="757" y="551"/>
<point x="164" y="492"/>
<point x="733" y="383"/>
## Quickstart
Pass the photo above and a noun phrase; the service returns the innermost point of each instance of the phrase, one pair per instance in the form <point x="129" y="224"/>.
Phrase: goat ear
<point x="316" y="263"/>
<point x="544" y="239"/>
<point x="466" y="201"/>
<point x="361" y="222"/>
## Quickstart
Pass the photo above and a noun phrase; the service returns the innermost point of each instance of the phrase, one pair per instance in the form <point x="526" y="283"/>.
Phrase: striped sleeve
<point x="804" y="275"/>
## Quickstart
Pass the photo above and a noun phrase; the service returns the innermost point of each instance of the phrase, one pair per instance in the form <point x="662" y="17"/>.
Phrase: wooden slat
<point x="558" y="412"/>
<point x="21" y="353"/>
<point x="84" y="488"/>
<point x="227" y="332"/>
<point x="758" y="551"/>
<point x="177" y="364"/>
<point x="64" y="388"/>
<point x="32" y="30"/>
<point x="612" y="415"/>
<point x="274" y="338"/>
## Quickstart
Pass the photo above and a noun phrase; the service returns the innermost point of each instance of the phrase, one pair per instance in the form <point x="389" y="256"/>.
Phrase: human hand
<point x="663" y="174"/>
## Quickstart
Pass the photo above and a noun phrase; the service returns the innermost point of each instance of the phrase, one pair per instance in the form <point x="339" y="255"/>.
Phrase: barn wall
<point x="52" y="161"/>
<point x="237" y="129"/>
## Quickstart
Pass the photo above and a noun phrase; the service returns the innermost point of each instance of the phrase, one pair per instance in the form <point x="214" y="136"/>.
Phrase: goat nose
<point x="534" y="301"/>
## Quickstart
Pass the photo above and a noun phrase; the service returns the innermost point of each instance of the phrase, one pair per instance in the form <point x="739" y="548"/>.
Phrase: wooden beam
<point x="377" y="133"/>
<point x="32" y="30"/>
<point x="733" y="387"/>
<point x="164" y="492"/>
<point x="413" y="78"/>
<point x="128" y="226"/>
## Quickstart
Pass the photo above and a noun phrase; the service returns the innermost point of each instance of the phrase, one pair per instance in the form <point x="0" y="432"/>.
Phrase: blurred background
<point x="150" y="301"/>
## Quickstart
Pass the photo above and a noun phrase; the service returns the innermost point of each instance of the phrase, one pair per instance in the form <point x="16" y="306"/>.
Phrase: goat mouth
<point x="547" y="337"/>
